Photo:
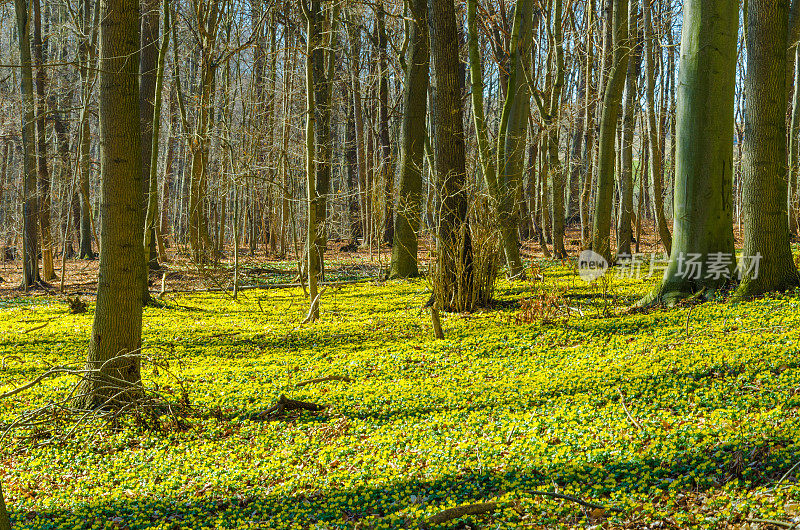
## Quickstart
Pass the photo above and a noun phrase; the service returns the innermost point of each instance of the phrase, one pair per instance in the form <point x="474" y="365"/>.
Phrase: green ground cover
<point x="685" y="418"/>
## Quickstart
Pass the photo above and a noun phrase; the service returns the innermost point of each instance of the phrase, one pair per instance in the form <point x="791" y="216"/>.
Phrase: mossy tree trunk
<point x="117" y="329"/>
<point x="766" y="221"/>
<point x="607" y="156"/>
<point x="412" y="147"/>
<point x="703" y="224"/>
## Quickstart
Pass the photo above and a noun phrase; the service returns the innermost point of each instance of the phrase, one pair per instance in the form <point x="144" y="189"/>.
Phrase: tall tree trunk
<point x="311" y="14"/>
<point x="551" y="119"/>
<point x="601" y="229"/>
<point x="510" y="155"/>
<point x="654" y="141"/>
<point x="30" y="202"/>
<point x="589" y="130"/>
<point x="43" y="172"/>
<point x="324" y="69"/>
<point x="148" y="57"/>
<point x="703" y="220"/>
<point x="455" y="288"/>
<point x="386" y="163"/>
<point x="87" y="60"/>
<point x="412" y="148"/>
<point x="208" y="13"/>
<point x="766" y="223"/>
<point x="117" y="330"/>
<point x="625" y="227"/>
<point x="151" y="258"/>
<point x="358" y="116"/>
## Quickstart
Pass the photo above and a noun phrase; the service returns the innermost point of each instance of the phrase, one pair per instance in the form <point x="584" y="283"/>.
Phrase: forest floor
<point x="686" y="418"/>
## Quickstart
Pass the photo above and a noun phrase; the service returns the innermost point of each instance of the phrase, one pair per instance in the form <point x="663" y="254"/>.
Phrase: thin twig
<point x="625" y="407"/>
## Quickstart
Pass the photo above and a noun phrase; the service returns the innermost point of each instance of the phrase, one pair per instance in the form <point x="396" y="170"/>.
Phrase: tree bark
<point x="5" y="521"/>
<point x="311" y="14"/>
<point x="625" y="228"/>
<point x="386" y="163"/>
<point x="454" y="287"/>
<point x="766" y="223"/>
<point x="703" y="223"/>
<point x="148" y="58"/>
<point x="412" y="148"/>
<point x="557" y="169"/>
<point x="117" y="329"/>
<point x="656" y="151"/>
<point x="601" y="229"/>
<point x="151" y="202"/>
<point x="43" y="171"/>
<point x="30" y="198"/>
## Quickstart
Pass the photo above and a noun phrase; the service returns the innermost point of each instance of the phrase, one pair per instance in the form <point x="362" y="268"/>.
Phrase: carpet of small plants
<point x="686" y="418"/>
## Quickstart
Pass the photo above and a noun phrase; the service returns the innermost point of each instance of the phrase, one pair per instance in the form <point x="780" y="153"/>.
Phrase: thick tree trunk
<point x="412" y="148"/>
<point x="117" y="330"/>
<point x="454" y="286"/>
<point x="703" y="221"/>
<point x="601" y="228"/>
<point x="30" y="202"/>
<point x="766" y="223"/>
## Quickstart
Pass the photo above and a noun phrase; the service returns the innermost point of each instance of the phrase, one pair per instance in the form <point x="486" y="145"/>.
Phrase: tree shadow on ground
<point x="693" y="471"/>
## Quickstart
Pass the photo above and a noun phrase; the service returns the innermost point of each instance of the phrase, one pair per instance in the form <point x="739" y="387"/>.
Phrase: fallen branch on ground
<point x="462" y="511"/>
<point x="773" y="522"/>
<point x="482" y="508"/>
<point x="285" y="404"/>
<point x="625" y="407"/>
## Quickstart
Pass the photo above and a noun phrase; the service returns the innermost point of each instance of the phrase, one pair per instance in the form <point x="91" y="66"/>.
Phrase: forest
<point x="384" y="264"/>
